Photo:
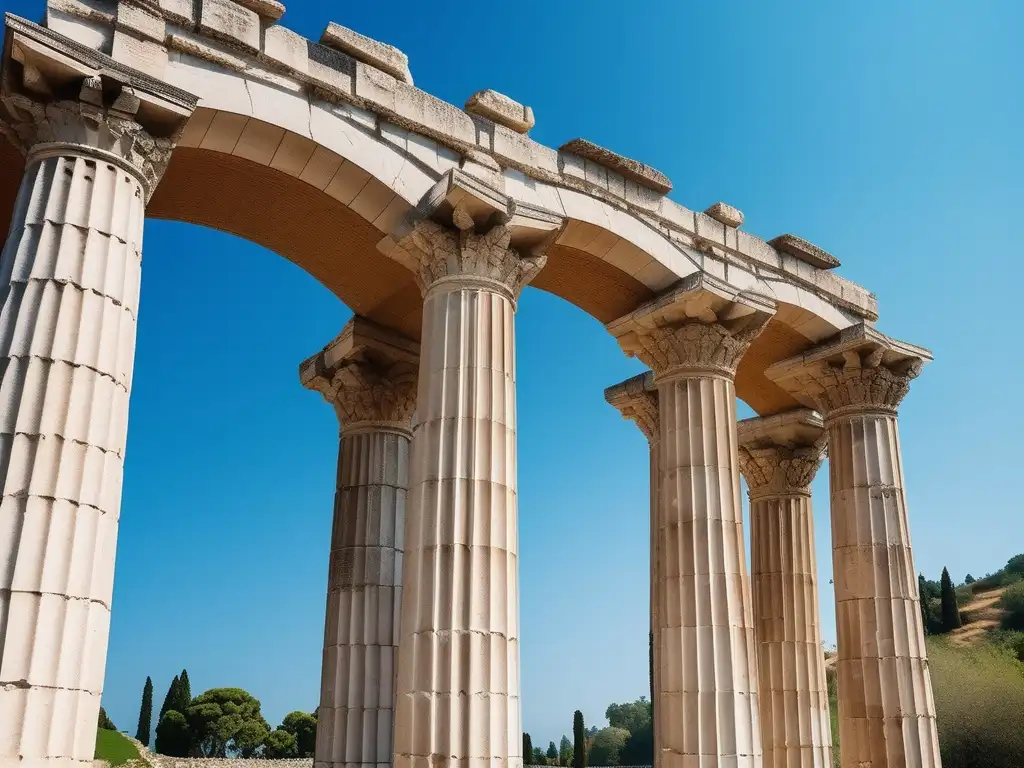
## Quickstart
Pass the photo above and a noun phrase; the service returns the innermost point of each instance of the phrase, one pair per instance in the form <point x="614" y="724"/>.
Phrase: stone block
<point x="725" y="213"/>
<point x="143" y="55"/>
<point x="806" y="252"/>
<point x="228" y="21"/>
<point x="502" y="110"/>
<point x="179" y="11"/>
<point x="287" y="48"/>
<point x="267" y="9"/>
<point x="644" y="175"/>
<point x="331" y="70"/>
<point x="384" y="57"/>
<point x="140" y="22"/>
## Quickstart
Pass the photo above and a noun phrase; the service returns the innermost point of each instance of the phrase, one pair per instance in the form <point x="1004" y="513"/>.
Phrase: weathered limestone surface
<point x="369" y="376"/>
<point x="458" y="674"/>
<point x="70" y="274"/>
<point x="779" y="457"/>
<point x="706" y="704"/>
<point x="886" y="707"/>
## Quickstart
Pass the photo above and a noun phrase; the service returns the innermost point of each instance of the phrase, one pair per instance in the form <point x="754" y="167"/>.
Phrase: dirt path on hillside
<point x="982" y="614"/>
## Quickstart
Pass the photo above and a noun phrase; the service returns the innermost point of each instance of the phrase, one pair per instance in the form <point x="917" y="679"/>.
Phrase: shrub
<point x="1012" y="603"/>
<point x="1016" y="565"/>
<point x="607" y="746"/>
<point x="172" y="735"/>
<point x="979" y="695"/>
<point x="996" y="580"/>
<point x="280" y="744"/>
<point x="105" y="722"/>
<point x="964" y="595"/>
<point x="1010" y="639"/>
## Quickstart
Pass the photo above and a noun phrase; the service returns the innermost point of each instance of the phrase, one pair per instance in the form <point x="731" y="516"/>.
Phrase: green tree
<point x="226" y="721"/>
<point x="1015" y="565"/>
<point x="552" y="754"/>
<point x="169" y="698"/>
<point x="607" y="746"/>
<point x="950" y="610"/>
<point x="579" y="741"/>
<point x="280" y="744"/>
<point x="302" y="726"/>
<point x="105" y="722"/>
<point x="527" y="748"/>
<point x="538" y="756"/>
<point x="172" y="735"/>
<point x="565" y="751"/>
<point x="639" y="748"/>
<point x="926" y="613"/>
<point x="145" y="713"/>
<point x="183" y="696"/>
<point x="633" y="717"/>
<point x="968" y="579"/>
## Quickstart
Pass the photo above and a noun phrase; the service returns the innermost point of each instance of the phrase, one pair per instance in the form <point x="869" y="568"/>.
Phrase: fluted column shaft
<point x="707" y="705"/>
<point x="458" y="675"/>
<point x="69" y="276"/>
<point x="369" y="375"/>
<point x="886" y="707"/>
<point x="795" y="720"/>
<point x="779" y="456"/>
<point x="364" y="598"/>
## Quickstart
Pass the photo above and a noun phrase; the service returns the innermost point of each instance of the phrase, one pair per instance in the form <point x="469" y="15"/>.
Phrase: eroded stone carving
<point x="637" y="403"/>
<point x="440" y="252"/>
<point x="775" y="469"/>
<point x="88" y="128"/>
<point x="365" y="393"/>
<point x="696" y="346"/>
<point x="861" y="381"/>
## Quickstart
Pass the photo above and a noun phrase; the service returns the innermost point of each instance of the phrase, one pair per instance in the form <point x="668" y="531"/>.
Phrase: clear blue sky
<point x="888" y="133"/>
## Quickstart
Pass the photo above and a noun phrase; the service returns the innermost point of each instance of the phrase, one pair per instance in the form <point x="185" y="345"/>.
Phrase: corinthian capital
<point x="637" y="400"/>
<point x="461" y="252"/>
<point x="859" y="371"/>
<point x="779" y="455"/>
<point x="60" y="97"/>
<point x="369" y="375"/>
<point x="702" y="327"/>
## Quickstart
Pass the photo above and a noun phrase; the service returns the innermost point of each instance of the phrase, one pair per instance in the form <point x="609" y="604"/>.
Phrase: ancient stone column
<point x="69" y="291"/>
<point x="637" y="400"/>
<point x="886" y="708"/>
<point x="779" y="456"/>
<point x="706" y="704"/>
<point x="458" y="674"/>
<point x="369" y="375"/>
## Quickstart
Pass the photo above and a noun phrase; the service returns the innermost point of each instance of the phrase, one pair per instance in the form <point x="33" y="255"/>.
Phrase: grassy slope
<point x="981" y="615"/>
<point x="114" y="747"/>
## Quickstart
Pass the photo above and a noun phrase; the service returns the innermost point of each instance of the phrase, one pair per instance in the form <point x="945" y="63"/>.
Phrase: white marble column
<point x="369" y="376"/>
<point x="707" y="699"/>
<point x="69" y="291"/>
<point x="637" y="401"/>
<point x="779" y="456"/>
<point x="458" y="676"/>
<point x="886" y="707"/>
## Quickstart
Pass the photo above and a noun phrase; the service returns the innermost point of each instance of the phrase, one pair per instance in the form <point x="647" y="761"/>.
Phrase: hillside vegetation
<point x="114" y="747"/>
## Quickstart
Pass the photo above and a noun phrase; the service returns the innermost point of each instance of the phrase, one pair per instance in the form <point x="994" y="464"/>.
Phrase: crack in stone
<point x="39" y="437"/>
<point x="64" y="282"/>
<point x="77" y="504"/>
<point x="6" y="592"/>
<point x="92" y="368"/>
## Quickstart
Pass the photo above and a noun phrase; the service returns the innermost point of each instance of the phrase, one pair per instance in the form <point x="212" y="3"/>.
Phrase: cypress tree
<point x="579" y="741"/>
<point x="527" y="749"/>
<point x="182" y="694"/>
<point x="146" y="713"/>
<point x="169" y="698"/>
<point x="105" y="722"/>
<point x="950" y="610"/>
<point x="926" y="614"/>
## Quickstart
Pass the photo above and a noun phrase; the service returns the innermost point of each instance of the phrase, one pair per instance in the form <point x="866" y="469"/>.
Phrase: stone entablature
<point x="152" y="35"/>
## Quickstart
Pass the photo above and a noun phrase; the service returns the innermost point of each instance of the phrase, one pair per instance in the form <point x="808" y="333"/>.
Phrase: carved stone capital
<point x="59" y="97"/>
<point x="637" y="400"/>
<point x="703" y="326"/>
<point x="861" y="371"/>
<point x="695" y="347"/>
<point x="369" y="375"/>
<point x="42" y="129"/>
<point x="780" y="455"/>
<point x="367" y="394"/>
<point x="441" y="253"/>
